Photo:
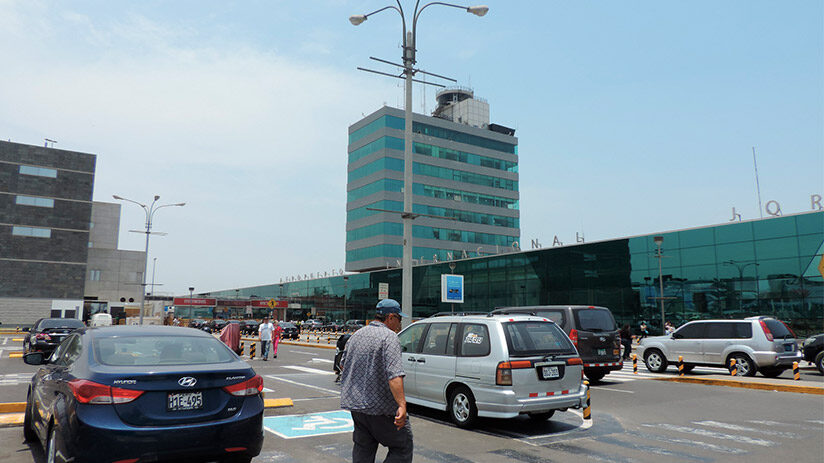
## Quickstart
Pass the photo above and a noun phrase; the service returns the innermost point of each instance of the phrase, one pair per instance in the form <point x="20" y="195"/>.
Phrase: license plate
<point x="549" y="372"/>
<point x="602" y="352"/>
<point x="184" y="401"/>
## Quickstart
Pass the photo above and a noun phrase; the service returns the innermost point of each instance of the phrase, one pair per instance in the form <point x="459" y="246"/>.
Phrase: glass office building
<point x="465" y="185"/>
<point x="760" y="267"/>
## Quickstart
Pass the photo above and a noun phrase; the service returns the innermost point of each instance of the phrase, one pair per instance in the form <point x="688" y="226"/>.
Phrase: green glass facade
<point x="761" y="267"/>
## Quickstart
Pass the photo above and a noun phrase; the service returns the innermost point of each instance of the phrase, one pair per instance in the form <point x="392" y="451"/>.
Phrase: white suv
<point x="497" y="366"/>
<point x="756" y="343"/>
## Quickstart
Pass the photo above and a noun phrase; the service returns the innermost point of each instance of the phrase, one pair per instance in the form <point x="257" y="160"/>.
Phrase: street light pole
<point x="150" y="212"/>
<point x="409" y="49"/>
<point x="659" y="240"/>
<point x="154" y="267"/>
<point x="741" y="268"/>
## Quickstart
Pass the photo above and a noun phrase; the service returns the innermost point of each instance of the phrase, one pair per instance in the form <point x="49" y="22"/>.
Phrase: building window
<point x="90" y="244"/>
<point x="38" y="171"/>
<point x="94" y="275"/>
<point x="31" y="231"/>
<point x="34" y="201"/>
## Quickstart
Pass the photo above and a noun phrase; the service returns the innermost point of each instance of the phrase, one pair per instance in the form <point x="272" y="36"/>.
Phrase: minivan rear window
<point x="535" y="338"/>
<point x="594" y="320"/>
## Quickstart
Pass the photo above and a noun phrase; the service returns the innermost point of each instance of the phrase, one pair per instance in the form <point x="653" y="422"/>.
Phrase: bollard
<point x="635" y="363"/>
<point x="587" y="409"/>
<point x="680" y="365"/>
<point x="733" y="368"/>
<point x="796" y="373"/>
<point x="252" y="349"/>
<point x="242" y="348"/>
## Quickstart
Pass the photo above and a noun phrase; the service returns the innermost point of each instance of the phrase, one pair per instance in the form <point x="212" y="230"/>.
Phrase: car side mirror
<point x="34" y="358"/>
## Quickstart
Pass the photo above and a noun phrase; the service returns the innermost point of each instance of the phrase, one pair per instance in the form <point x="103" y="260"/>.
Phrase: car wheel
<point x="462" y="409"/>
<point x="743" y="363"/>
<point x="771" y="372"/>
<point x="28" y="430"/>
<point x="594" y="376"/>
<point x="819" y="362"/>
<point x="540" y="417"/>
<point x="655" y="361"/>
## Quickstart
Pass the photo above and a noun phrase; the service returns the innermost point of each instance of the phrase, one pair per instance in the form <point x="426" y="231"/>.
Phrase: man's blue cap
<point x="388" y="306"/>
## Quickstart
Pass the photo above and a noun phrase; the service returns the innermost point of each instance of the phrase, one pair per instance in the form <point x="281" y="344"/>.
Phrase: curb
<point x="747" y="385"/>
<point x="11" y="420"/>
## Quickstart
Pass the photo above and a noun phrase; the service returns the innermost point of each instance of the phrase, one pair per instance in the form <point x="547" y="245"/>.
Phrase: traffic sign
<point x="383" y="291"/>
<point x="308" y="425"/>
<point x="272" y="303"/>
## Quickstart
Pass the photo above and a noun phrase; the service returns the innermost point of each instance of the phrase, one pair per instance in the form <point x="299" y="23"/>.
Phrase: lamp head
<point x="479" y="10"/>
<point x="157" y="197"/>
<point x="658" y="240"/>
<point x="116" y="197"/>
<point x="357" y="19"/>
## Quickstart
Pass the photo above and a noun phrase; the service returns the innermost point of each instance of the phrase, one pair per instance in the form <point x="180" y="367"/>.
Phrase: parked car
<point x="216" y="325"/>
<point x="145" y="393"/>
<point x="336" y="325"/>
<point x="592" y="330"/>
<point x="290" y="331"/>
<point x="491" y="366"/>
<point x="249" y="327"/>
<point x="311" y="325"/>
<point x="756" y="343"/>
<point x="47" y="333"/>
<point x="813" y="349"/>
<point x="353" y="325"/>
<point x="197" y="323"/>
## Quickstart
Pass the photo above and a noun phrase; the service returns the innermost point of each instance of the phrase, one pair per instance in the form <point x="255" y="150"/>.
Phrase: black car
<point x="353" y="325"/>
<point x="290" y="331"/>
<point x="144" y="393"/>
<point x="197" y="323"/>
<point x="813" y="348"/>
<point x="335" y="326"/>
<point x="216" y="325"/>
<point x="48" y="333"/>
<point x="591" y="329"/>
<point x="249" y="327"/>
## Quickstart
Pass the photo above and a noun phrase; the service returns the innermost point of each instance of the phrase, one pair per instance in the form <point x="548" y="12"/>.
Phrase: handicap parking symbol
<point x="310" y="424"/>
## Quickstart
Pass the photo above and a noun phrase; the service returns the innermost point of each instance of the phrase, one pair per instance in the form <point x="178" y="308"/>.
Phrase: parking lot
<point x="635" y="417"/>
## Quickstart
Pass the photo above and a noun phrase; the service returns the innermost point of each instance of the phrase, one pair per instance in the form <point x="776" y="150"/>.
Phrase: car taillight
<point x="503" y="374"/>
<point x="89" y="392"/>
<point x="249" y="387"/>
<point x="574" y="361"/>
<point x="766" y="330"/>
<point x="573" y="336"/>
<point x="42" y="336"/>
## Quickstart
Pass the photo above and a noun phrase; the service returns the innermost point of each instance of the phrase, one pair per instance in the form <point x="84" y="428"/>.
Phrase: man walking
<point x="372" y="388"/>
<point x="265" y="331"/>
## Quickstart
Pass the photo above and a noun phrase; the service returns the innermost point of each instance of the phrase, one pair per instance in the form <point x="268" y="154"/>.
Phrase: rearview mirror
<point x="34" y="358"/>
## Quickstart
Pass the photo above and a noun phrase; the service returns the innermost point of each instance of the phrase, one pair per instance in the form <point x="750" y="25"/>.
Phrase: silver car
<point x="498" y="366"/>
<point x="756" y="343"/>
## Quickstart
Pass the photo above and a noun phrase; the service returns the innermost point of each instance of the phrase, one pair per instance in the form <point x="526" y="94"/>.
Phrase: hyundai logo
<point x="187" y="381"/>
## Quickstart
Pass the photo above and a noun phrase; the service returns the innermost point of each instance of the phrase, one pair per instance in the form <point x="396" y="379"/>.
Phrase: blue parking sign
<point x="452" y="287"/>
<point x="310" y="424"/>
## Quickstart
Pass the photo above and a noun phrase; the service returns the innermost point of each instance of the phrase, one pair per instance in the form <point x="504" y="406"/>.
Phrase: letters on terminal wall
<point x="773" y="208"/>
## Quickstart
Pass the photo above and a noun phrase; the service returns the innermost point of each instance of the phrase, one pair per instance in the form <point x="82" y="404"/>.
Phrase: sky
<point x="632" y="117"/>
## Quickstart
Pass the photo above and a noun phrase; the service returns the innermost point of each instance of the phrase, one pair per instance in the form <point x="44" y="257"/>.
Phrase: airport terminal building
<point x="771" y="266"/>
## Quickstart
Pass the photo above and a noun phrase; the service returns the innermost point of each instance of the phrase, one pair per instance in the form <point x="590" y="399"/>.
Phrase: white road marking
<point x="689" y="442"/>
<point x="314" y="371"/>
<point x="302" y="352"/>
<point x="713" y="434"/>
<point x="774" y="423"/>
<point x="735" y="427"/>
<point x="304" y="384"/>
<point x="323" y="360"/>
<point x="315" y="398"/>
<point x="611" y="389"/>
<point x="5" y="341"/>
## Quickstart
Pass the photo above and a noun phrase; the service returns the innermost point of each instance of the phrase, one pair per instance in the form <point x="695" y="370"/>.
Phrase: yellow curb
<point x="12" y="407"/>
<point x="17" y="339"/>
<point x="15" y="355"/>
<point x="11" y="420"/>
<point x="276" y="403"/>
<point x="747" y="385"/>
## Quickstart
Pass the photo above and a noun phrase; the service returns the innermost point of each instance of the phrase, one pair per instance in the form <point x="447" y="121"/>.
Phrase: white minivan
<point x="497" y="366"/>
<point x="101" y="319"/>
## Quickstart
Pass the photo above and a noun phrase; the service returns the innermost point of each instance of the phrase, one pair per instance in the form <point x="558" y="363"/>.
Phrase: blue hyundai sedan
<point x="126" y="394"/>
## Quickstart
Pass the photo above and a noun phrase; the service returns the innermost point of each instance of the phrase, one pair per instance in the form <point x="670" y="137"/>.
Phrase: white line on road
<point x="323" y="360"/>
<point x="314" y="371"/>
<point x="599" y="388"/>
<point x="713" y="434"/>
<point x="302" y="352"/>
<point x="735" y="427"/>
<point x="5" y="341"/>
<point x="304" y="384"/>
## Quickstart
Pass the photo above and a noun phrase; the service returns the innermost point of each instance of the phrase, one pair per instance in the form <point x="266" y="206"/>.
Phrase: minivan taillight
<point x="574" y="361"/>
<point x="503" y="374"/>
<point x="573" y="336"/>
<point x="252" y="386"/>
<point x="767" y="331"/>
<point x="89" y="392"/>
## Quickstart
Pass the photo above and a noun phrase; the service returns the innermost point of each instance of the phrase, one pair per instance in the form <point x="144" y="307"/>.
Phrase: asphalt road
<point x="634" y="418"/>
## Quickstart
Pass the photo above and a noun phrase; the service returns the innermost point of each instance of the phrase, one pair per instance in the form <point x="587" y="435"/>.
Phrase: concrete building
<point x="465" y="170"/>
<point x="114" y="276"/>
<point x="45" y="212"/>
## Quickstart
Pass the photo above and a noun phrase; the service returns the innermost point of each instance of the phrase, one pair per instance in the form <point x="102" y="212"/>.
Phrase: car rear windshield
<point x="160" y="350"/>
<point x="61" y="323"/>
<point x="536" y="338"/>
<point x="778" y="330"/>
<point x="288" y="325"/>
<point x="594" y="320"/>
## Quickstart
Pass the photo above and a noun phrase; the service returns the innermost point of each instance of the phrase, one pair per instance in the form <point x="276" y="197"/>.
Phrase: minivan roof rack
<point x="457" y="314"/>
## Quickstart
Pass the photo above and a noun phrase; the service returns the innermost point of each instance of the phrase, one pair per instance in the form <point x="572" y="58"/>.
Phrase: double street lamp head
<point x="479" y="10"/>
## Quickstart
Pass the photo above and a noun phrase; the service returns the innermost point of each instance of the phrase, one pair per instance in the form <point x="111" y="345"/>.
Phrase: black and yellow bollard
<point x="252" y="350"/>
<point x="242" y="348"/>
<point x="587" y="409"/>
<point x="733" y="368"/>
<point x="635" y="364"/>
<point x="680" y="365"/>
<point x="796" y="373"/>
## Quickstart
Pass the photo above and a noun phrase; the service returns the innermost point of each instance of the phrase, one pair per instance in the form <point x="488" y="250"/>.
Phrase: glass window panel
<point x="700" y="237"/>
<point x="774" y="228"/>
<point x="809" y="245"/>
<point x="810" y="223"/>
<point x="699" y="272"/>
<point x="436" y="339"/>
<point x="34" y="201"/>
<point x="38" y="171"/>
<point x="474" y="341"/>
<point x="698" y="256"/>
<point x="776" y="248"/>
<point x="787" y="266"/>
<point x="639" y="246"/>
<point x="31" y="231"/>
<point x="739" y="252"/>
<point x="733" y="233"/>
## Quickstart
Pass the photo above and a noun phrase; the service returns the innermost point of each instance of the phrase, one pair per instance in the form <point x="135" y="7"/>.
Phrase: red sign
<point x="232" y="303"/>
<point x="195" y="301"/>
